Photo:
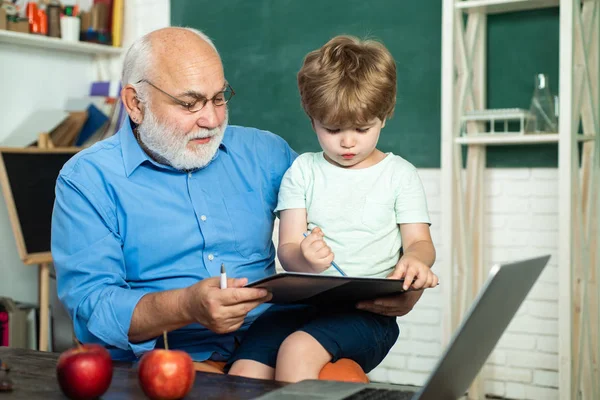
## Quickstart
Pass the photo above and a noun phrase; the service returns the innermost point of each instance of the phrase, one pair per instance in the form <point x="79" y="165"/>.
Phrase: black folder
<point x="303" y="288"/>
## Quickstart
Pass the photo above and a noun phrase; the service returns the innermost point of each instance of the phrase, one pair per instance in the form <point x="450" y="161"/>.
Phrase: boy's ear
<point x="383" y="123"/>
<point x="312" y="123"/>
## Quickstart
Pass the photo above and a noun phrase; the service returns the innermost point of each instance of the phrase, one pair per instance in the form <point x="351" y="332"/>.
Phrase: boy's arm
<point x="419" y="250"/>
<point x="419" y="256"/>
<point x="416" y="240"/>
<point x="292" y="226"/>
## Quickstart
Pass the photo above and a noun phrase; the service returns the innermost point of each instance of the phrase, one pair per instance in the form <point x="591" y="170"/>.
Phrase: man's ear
<point x="133" y="105"/>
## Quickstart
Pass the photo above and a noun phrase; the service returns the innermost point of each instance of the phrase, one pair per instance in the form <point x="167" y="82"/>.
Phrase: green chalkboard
<point x="263" y="43"/>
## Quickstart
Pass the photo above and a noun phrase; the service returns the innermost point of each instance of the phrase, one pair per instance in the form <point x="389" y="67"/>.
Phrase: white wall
<point x="31" y="79"/>
<point x="521" y="216"/>
<point x="144" y="16"/>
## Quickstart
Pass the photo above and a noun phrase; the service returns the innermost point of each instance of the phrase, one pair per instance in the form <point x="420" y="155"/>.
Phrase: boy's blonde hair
<point x="348" y="82"/>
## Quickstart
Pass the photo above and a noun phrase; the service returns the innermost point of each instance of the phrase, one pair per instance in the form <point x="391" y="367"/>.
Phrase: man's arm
<point x="158" y="312"/>
<point x="90" y="269"/>
<point x="103" y="307"/>
<point x="220" y="310"/>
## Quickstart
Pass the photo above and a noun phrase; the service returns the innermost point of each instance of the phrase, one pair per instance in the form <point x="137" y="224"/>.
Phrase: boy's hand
<point x="316" y="252"/>
<point x="416" y="274"/>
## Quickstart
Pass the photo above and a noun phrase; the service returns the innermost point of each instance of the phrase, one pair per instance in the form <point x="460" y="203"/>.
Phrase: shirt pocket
<point x="250" y="223"/>
<point x="378" y="214"/>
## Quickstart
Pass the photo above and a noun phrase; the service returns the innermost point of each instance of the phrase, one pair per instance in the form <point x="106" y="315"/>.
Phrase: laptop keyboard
<point x="380" y="394"/>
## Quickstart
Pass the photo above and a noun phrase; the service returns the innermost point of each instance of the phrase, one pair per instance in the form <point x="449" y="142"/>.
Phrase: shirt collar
<point x="134" y="155"/>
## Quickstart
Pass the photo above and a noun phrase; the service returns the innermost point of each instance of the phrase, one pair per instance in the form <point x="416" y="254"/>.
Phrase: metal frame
<point x="463" y="89"/>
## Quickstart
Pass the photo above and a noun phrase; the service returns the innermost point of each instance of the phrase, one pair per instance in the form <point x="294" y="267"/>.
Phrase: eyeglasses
<point x="218" y="100"/>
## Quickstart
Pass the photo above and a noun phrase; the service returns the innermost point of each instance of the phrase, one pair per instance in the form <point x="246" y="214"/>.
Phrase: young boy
<point x="359" y="203"/>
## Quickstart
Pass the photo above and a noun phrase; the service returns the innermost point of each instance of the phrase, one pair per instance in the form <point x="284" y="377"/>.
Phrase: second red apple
<point x="166" y="374"/>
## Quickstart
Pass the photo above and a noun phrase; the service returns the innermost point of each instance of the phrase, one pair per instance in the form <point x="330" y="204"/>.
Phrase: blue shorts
<point x="358" y="335"/>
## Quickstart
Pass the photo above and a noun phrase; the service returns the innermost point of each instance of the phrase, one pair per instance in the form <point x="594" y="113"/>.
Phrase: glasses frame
<point x="185" y="103"/>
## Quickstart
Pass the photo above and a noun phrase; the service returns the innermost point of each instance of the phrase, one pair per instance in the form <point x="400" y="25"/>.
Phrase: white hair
<point x="138" y="61"/>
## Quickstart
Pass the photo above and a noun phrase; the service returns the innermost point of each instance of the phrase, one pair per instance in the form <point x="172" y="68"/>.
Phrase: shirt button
<point x="189" y="174"/>
<point x="203" y="217"/>
<point x="211" y="257"/>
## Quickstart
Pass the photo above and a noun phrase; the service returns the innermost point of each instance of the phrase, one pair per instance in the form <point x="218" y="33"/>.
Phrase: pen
<point x="333" y="264"/>
<point x="223" y="277"/>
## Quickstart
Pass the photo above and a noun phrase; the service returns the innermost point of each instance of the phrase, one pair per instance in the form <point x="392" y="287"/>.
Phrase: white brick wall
<point x="522" y="221"/>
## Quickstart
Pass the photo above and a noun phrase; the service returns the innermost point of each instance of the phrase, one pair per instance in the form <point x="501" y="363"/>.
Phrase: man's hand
<point x="221" y="310"/>
<point x="416" y="274"/>
<point x="392" y="306"/>
<point x="409" y="268"/>
<point x="316" y="252"/>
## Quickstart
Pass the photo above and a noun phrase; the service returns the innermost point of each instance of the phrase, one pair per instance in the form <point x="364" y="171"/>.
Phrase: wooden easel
<point x="44" y="142"/>
<point x="43" y="259"/>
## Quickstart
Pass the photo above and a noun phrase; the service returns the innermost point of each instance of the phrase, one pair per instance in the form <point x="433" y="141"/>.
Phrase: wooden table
<point x="34" y="377"/>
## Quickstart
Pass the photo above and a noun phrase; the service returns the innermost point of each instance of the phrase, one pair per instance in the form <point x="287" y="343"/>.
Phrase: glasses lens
<point x="219" y="100"/>
<point x="197" y="105"/>
<point x="223" y="97"/>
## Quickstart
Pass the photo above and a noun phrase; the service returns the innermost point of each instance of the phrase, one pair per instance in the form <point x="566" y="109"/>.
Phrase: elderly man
<point x="143" y="220"/>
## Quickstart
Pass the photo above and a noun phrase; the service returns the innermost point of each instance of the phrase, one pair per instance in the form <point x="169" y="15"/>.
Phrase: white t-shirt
<point x="358" y="209"/>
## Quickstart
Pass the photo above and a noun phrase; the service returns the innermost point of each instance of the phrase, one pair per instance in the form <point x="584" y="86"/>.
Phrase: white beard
<point x="174" y="147"/>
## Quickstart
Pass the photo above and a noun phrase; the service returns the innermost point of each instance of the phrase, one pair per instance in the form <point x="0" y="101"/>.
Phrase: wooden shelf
<point x="508" y="139"/>
<point x="504" y="6"/>
<point x="45" y="42"/>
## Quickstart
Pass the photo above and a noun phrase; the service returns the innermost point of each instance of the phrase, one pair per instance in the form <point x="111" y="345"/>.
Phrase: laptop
<point x="503" y="292"/>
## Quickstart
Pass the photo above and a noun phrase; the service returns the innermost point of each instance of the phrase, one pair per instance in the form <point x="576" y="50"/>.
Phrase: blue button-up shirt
<point x="124" y="225"/>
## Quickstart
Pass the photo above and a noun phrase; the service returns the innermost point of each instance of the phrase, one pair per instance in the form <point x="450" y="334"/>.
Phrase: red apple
<point x="84" y="372"/>
<point x="166" y="374"/>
